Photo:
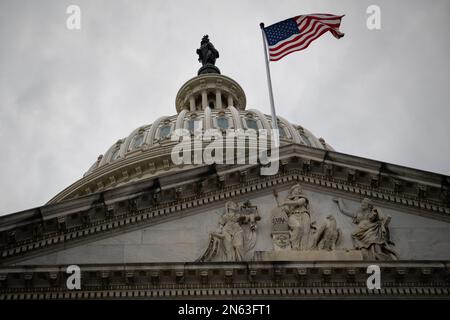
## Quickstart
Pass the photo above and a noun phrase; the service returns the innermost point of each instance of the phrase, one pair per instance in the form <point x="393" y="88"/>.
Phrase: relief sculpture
<point x="235" y="235"/>
<point x="280" y="229"/>
<point x="292" y="226"/>
<point x="328" y="235"/>
<point x="295" y="236"/>
<point x="299" y="220"/>
<point x="372" y="231"/>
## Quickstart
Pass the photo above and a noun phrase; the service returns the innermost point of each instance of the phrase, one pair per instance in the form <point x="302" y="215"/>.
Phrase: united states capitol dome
<point x="209" y="101"/>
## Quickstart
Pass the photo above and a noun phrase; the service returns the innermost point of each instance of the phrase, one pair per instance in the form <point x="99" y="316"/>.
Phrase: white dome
<point x="213" y="100"/>
<point x="154" y="135"/>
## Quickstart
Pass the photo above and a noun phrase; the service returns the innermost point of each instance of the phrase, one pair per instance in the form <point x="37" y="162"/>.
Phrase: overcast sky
<point x="67" y="96"/>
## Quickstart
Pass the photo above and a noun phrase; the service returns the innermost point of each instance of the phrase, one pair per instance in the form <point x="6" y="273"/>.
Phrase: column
<point x="204" y="100"/>
<point x="192" y="103"/>
<point x="218" y="99"/>
<point x="230" y="101"/>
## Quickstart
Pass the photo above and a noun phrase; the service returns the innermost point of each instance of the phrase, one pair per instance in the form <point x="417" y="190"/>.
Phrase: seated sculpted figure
<point x="372" y="233"/>
<point x="231" y="242"/>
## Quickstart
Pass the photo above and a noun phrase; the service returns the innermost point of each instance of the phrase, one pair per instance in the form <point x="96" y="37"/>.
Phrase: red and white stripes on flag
<point x="297" y="33"/>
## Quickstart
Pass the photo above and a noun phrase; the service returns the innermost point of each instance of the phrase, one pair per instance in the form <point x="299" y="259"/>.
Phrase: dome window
<point x="251" y="124"/>
<point x="194" y="125"/>
<point x="138" y="140"/>
<point x="282" y="130"/>
<point x="115" y="154"/>
<point x="164" y="132"/>
<point x="222" y="123"/>
<point x="304" y="138"/>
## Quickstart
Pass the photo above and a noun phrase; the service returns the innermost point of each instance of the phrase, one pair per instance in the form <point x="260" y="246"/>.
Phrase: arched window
<point x="115" y="154"/>
<point x="251" y="123"/>
<point x="222" y="123"/>
<point x="191" y="125"/>
<point x="194" y="125"/>
<point x="164" y="131"/>
<point x="304" y="137"/>
<point x="138" y="140"/>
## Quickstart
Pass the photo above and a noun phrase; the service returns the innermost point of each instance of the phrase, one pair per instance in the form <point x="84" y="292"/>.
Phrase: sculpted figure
<point x="328" y="235"/>
<point x="207" y="54"/>
<point x="372" y="232"/>
<point x="299" y="220"/>
<point x="231" y="232"/>
<point x="235" y="235"/>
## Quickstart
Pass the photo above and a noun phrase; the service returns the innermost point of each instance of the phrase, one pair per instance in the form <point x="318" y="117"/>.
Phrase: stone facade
<point x="311" y="230"/>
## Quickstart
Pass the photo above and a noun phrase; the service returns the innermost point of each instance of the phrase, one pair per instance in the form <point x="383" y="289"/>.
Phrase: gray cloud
<point x="66" y="96"/>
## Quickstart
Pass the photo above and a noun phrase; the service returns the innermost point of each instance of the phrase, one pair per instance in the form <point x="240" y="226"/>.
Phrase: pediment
<point x="186" y="235"/>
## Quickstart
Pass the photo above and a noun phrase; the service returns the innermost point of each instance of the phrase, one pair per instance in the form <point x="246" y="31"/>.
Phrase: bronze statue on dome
<point x="207" y="54"/>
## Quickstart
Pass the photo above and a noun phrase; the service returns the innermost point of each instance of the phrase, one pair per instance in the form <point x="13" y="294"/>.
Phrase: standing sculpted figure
<point x="207" y="54"/>
<point x="372" y="232"/>
<point x="231" y="232"/>
<point x="299" y="220"/>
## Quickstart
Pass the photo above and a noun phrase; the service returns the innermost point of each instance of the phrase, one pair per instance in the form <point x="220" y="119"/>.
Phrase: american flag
<point x="297" y="33"/>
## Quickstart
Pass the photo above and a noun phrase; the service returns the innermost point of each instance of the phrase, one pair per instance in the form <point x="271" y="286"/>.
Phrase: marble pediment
<point x="186" y="237"/>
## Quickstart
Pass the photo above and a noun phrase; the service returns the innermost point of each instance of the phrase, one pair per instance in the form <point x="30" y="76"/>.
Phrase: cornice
<point x="283" y="280"/>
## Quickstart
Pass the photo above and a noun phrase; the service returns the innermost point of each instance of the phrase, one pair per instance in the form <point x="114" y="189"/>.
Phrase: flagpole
<point x="269" y="80"/>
